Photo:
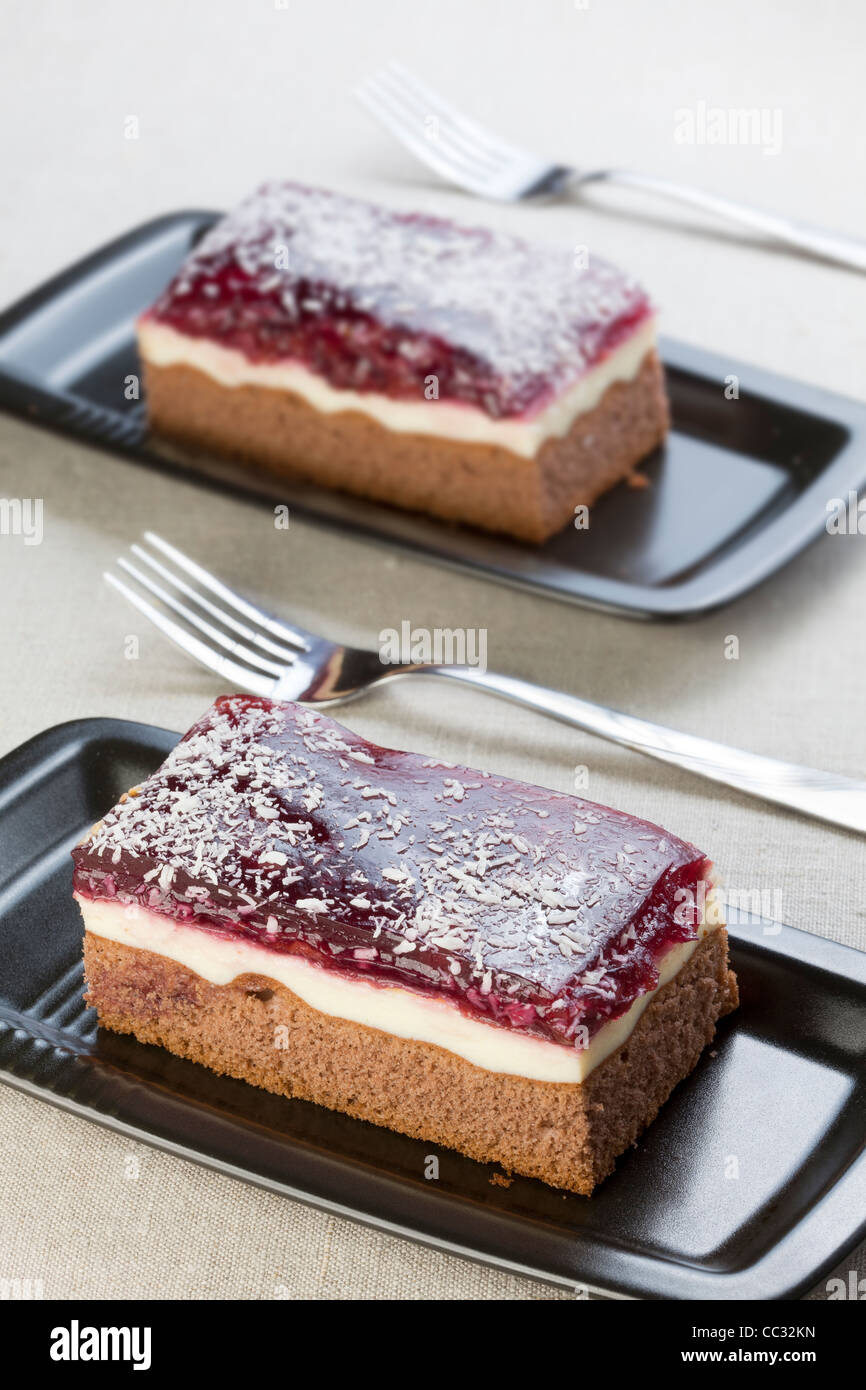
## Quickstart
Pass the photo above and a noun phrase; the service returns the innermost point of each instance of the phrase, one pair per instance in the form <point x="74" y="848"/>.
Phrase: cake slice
<point x="514" y="973"/>
<point x="446" y="369"/>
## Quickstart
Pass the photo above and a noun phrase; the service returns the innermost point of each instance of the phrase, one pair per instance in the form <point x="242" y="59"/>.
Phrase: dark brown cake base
<point x="482" y="484"/>
<point x="566" y="1135"/>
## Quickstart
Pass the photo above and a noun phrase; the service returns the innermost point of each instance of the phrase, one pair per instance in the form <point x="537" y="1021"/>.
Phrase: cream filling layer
<point x="162" y="346"/>
<point x="389" y="1008"/>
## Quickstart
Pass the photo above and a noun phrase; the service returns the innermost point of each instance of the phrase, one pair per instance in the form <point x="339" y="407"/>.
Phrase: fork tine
<point x="284" y="653"/>
<point x="200" y="624"/>
<point x="481" y="143"/>
<point x="416" y="111"/>
<point x="402" y="126"/>
<point x="241" y="677"/>
<point x="222" y="591"/>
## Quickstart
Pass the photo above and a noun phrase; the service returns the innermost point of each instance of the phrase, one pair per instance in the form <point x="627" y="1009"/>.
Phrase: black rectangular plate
<point x="781" y="1093"/>
<point x="739" y="489"/>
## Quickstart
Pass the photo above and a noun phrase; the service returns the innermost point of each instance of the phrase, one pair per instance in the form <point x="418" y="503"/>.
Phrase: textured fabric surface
<point x="76" y="1210"/>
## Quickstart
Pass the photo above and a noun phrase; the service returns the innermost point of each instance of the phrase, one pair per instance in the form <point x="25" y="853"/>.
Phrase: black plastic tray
<point x="781" y="1093"/>
<point x="740" y="488"/>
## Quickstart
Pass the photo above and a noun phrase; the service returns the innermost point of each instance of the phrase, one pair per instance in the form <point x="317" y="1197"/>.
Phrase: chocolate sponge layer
<point x="259" y="1031"/>
<point x="484" y="485"/>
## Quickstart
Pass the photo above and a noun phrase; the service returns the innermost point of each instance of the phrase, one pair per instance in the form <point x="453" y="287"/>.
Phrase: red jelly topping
<point x="375" y="300"/>
<point x="534" y="910"/>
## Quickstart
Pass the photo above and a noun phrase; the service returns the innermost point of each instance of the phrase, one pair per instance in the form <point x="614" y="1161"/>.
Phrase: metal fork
<point x="256" y="652"/>
<point x="464" y="153"/>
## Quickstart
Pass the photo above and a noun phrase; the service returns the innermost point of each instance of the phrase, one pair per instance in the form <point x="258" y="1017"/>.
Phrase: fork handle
<point x="816" y="240"/>
<point x="822" y="795"/>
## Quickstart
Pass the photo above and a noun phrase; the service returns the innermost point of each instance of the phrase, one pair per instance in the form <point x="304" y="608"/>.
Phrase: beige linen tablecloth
<point x="83" y="1210"/>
